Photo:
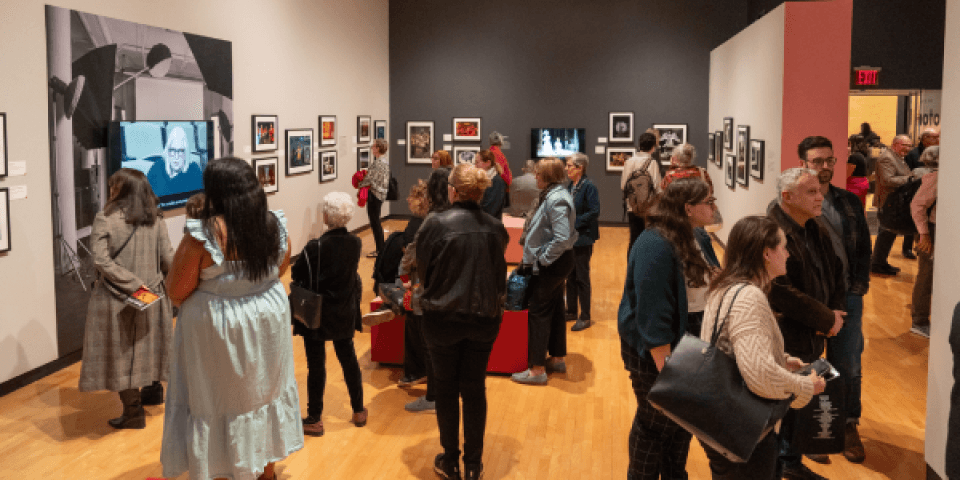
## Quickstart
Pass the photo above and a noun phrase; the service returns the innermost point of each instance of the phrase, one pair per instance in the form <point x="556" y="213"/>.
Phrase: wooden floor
<point x="574" y="428"/>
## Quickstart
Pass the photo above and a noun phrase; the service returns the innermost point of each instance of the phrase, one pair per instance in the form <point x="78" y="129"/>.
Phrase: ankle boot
<point x="133" y="414"/>
<point x="152" y="394"/>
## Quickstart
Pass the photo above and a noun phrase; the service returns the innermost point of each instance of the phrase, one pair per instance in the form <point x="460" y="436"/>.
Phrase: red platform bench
<point x="509" y="354"/>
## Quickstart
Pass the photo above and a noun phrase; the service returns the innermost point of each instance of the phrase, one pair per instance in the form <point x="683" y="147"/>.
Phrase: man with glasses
<point x="892" y="172"/>
<point x="846" y="224"/>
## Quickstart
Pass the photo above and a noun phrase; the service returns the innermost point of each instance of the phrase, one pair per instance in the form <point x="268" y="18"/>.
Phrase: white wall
<point x="746" y="83"/>
<point x="291" y="58"/>
<point x="945" y="293"/>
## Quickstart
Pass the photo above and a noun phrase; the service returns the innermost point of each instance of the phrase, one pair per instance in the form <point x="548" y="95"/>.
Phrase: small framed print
<point x="621" y="127"/>
<point x="729" y="167"/>
<point x="718" y="148"/>
<point x="328" y="130"/>
<point x="419" y="142"/>
<point x="364" y="129"/>
<point x="4" y="220"/>
<point x="743" y="146"/>
<point x="363" y="158"/>
<point x="265" y="130"/>
<point x="671" y="135"/>
<point x="266" y="169"/>
<point x="466" y="129"/>
<point x="757" y="160"/>
<point x="617" y="157"/>
<point x="380" y="129"/>
<point x="299" y="150"/>
<point x="728" y="134"/>
<point x="711" y="148"/>
<point x="465" y="154"/>
<point x="328" y="165"/>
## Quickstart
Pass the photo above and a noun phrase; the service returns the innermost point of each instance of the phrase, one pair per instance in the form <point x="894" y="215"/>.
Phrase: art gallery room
<point x="303" y="91"/>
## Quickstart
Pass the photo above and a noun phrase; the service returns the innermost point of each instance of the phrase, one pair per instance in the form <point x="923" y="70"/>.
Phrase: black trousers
<point x="762" y="464"/>
<point x="546" y="326"/>
<point x="658" y="446"/>
<point x="637" y="226"/>
<point x="578" y="282"/>
<point x="416" y="355"/>
<point x="374" y="206"/>
<point x="317" y="373"/>
<point x="459" y="350"/>
<point x="883" y="244"/>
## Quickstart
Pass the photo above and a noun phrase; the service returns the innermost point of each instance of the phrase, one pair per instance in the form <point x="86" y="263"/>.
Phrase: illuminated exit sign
<point x="866" y="76"/>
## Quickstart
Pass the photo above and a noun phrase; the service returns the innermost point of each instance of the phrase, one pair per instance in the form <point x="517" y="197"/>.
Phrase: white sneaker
<point x="421" y="404"/>
<point x="377" y="317"/>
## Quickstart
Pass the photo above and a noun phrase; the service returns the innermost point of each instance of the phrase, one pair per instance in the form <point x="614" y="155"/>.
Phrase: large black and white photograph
<point x="102" y="70"/>
<point x="465" y="154"/>
<point x="3" y="145"/>
<point x="617" y="157"/>
<point x="671" y="135"/>
<point x="743" y="151"/>
<point x="299" y="150"/>
<point x="4" y="220"/>
<point x="718" y="148"/>
<point x="328" y="165"/>
<point x="729" y="170"/>
<point x="266" y="169"/>
<point x="419" y="142"/>
<point x="711" y="148"/>
<point x="757" y="160"/>
<point x="728" y="133"/>
<point x="620" y="128"/>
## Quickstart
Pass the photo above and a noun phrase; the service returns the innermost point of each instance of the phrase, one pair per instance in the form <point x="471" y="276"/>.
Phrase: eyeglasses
<point x="831" y="161"/>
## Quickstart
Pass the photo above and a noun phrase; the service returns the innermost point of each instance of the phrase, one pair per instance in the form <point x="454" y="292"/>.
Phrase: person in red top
<point x="681" y="166"/>
<point x="497" y="141"/>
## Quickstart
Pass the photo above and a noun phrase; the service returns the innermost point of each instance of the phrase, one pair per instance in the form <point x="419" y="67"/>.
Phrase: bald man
<point x="892" y="172"/>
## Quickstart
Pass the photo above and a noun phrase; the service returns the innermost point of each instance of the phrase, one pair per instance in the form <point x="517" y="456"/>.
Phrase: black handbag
<point x="701" y="389"/>
<point x="306" y="306"/>
<point x="393" y="191"/>
<point x="821" y="425"/>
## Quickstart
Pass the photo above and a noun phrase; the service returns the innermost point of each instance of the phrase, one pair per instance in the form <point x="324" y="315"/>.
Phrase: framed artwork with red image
<point x="466" y="129"/>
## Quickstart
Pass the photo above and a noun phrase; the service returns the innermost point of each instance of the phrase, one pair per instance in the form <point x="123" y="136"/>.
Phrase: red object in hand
<point x="358" y="177"/>
<point x="362" y="196"/>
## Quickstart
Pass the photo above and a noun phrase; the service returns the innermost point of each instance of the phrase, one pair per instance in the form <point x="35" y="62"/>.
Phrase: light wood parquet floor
<point x="574" y="428"/>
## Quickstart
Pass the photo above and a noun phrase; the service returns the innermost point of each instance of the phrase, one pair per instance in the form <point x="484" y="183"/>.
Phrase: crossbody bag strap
<point x="306" y="256"/>
<point x="716" y="322"/>
<point x="114" y="256"/>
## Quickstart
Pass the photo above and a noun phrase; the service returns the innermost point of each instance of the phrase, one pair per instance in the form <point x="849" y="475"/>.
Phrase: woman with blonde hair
<point x="460" y="259"/>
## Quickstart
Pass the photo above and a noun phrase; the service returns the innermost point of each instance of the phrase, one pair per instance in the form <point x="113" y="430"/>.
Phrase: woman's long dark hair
<point x="743" y="261"/>
<point x="130" y="193"/>
<point x="252" y="233"/>
<point x="669" y="217"/>
<point x="437" y="189"/>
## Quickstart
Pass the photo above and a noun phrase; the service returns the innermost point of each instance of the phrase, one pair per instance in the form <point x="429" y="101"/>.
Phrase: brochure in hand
<point x="142" y="298"/>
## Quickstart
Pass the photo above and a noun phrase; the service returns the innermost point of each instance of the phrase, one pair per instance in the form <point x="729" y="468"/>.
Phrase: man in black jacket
<point x="810" y="298"/>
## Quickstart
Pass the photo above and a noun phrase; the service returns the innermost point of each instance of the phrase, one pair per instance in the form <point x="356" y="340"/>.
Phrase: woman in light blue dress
<point x="232" y="404"/>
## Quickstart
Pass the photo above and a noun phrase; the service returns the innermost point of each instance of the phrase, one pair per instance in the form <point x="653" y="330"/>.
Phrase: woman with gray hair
<point x="586" y="203"/>
<point x="329" y="265"/>
<point x="923" y="208"/>
<point x="681" y="166"/>
<point x="497" y="142"/>
<point x="378" y="179"/>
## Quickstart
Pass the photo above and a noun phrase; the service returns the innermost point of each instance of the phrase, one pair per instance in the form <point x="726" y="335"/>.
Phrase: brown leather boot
<point x="133" y="414"/>
<point x="852" y="446"/>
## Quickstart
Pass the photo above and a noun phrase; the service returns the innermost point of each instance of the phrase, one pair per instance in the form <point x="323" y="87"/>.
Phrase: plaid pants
<point x="658" y="446"/>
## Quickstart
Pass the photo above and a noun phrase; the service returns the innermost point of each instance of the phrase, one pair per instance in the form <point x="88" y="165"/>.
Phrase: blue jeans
<point x="844" y="352"/>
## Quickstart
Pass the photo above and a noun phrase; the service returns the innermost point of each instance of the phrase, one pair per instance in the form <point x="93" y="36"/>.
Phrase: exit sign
<point x="866" y="76"/>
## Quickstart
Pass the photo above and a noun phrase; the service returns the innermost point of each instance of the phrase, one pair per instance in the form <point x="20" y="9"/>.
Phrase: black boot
<point x="152" y="394"/>
<point x="133" y="414"/>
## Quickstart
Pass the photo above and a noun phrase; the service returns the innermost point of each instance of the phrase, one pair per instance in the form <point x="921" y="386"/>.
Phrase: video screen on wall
<point x="172" y="154"/>
<point x="556" y="142"/>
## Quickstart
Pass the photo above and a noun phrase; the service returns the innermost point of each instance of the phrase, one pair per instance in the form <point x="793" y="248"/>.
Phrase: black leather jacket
<point x="460" y="259"/>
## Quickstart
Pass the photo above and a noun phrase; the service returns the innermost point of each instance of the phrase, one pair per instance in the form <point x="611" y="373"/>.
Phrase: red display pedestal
<point x="509" y="354"/>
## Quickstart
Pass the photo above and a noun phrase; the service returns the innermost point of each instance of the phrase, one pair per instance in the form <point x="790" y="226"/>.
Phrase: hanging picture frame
<point x="299" y="150"/>
<point x="328" y="130"/>
<point x="617" y="157"/>
<point x="729" y="167"/>
<point x="264" y="130"/>
<point x="711" y="148"/>
<point x="757" y="158"/>
<point x="363" y="158"/>
<point x="328" y="165"/>
<point x="364" y="129"/>
<point x="620" y="128"/>
<point x="743" y="152"/>
<point x="466" y="129"/>
<point x="718" y="148"/>
<point x="266" y="169"/>
<point x="728" y="133"/>
<point x="671" y="135"/>
<point x="380" y="129"/>
<point x="4" y="220"/>
<point x="465" y="154"/>
<point x="419" y="142"/>
<point x="216" y="136"/>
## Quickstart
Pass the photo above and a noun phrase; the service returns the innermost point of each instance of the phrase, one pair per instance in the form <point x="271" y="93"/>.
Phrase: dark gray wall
<point x="553" y="63"/>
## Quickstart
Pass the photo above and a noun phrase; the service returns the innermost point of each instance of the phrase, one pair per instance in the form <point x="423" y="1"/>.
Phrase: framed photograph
<point x="265" y="130"/>
<point x="671" y="135"/>
<point x="728" y="134"/>
<point x="380" y="129"/>
<point x="4" y="220"/>
<point x="363" y="158"/>
<point x="618" y="156"/>
<point x="621" y="127"/>
<point x="466" y="129"/>
<point x="364" y="127"/>
<point x="757" y="160"/>
<point x="743" y="151"/>
<point x="328" y="130"/>
<point x="718" y="148"/>
<point x="328" y="165"/>
<point x="266" y="169"/>
<point x="419" y="142"/>
<point x="711" y="148"/>
<point x="299" y="150"/>
<point x="729" y="167"/>
<point x="216" y="136"/>
<point x="465" y="154"/>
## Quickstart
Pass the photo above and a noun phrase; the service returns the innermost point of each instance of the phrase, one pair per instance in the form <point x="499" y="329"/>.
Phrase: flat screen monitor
<point x="172" y="154"/>
<point x="556" y="142"/>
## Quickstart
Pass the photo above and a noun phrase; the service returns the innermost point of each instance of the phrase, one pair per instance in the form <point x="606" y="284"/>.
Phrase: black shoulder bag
<point x="306" y="306"/>
<point x="701" y="388"/>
